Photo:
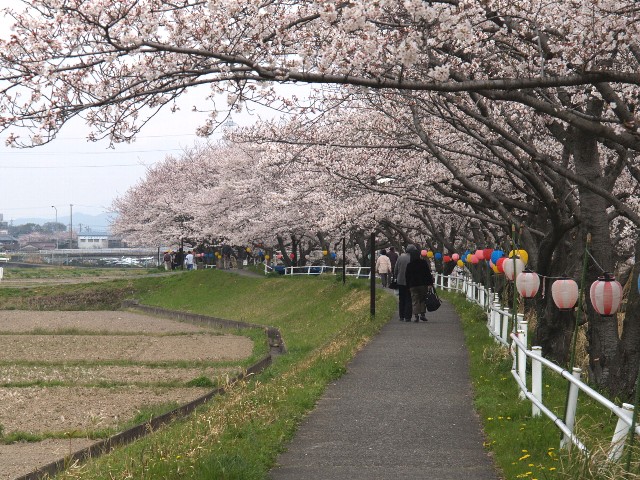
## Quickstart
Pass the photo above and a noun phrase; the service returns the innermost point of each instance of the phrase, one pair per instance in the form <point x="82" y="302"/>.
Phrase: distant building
<point x="7" y="242"/>
<point x="88" y="241"/>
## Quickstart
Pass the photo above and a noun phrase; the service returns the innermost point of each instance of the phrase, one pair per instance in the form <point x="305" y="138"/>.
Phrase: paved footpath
<point x="402" y="411"/>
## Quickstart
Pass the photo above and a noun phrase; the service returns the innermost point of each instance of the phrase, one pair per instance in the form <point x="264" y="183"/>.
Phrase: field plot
<point x="66" y="376"/>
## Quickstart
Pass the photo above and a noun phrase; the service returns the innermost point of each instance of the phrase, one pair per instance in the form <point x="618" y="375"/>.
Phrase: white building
<point x="87" y="241"/>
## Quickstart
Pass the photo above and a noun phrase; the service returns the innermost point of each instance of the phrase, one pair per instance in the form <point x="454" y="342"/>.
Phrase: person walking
<point x="419" y="280"/>
<point x="166" y="258"/>
<point x="404" y="294"/>
<point x="393" y="257"/>
<point x="188" y="260"/>
<point x="383" y="267"/>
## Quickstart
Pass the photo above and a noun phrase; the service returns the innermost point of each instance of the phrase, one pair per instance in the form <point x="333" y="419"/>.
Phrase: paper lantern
<point x="446" y="259"/>
<point x="460" y="263"/>
<point x="438" y="256"/>
<point x="479" y="254"/>
<point x="524" y="256"/>
<point x="292" y="256"/>
<point x="455" y="257"/>
<point x="495" y="269"/>
<point x="475" y="260"/>
<point x="500" y="264"/>
<point x="527" y="283"/>
<point x="487" y="253"/>
<point x="267" y="257"/>
<point x="279" y="256"/>
<point x="333" y="255"/>
<point x="512" y="268"/>
<point x="606" y="295"/>
<point x="430" y="254"/>
<point x="423" y="253"/>
<point x="325" y="252"/>
<point x="496" y="255"/>
<point x="564" y="293"/>
<point x="248" y="250"/>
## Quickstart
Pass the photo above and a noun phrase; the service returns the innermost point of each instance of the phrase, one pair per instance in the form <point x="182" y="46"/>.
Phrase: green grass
<point x="524" y="446"/>
<point x="239" y="435"/>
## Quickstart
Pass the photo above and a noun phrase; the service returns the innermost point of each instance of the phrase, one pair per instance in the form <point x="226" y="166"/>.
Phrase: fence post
<point x="572" y="406"/>
<point x="495" y="311"/>
<point x="481" y="295"/>
<point x="536" y="379"/>
<point x="620" y="434"/>
<point x="524" y="326"/>
<point x="504" y="321"/>
<point x="522" y="360"/>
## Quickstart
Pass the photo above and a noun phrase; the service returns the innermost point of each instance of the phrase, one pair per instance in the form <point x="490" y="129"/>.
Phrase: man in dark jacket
<point x="419" y="280"/>
<point x="404" y="295"/>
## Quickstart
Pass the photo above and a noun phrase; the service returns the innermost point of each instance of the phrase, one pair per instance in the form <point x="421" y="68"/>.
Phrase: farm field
<point x="68" y="378"/>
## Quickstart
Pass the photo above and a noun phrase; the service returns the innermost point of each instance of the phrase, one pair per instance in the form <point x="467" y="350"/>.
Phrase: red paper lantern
<point x="500" y="264"/>
<point x="606" y="295"/>
<point x="292" y="256"/>
<point x="512" y="268"/>
<point x="528" y="284"/>
<point x="487" y="253"/>
<point x="564" y="293"/>
<point x="446" y="259"/>
<point x="479" y="254"/>
<point x="474" y="259"/>
<point x="455" y="257"/>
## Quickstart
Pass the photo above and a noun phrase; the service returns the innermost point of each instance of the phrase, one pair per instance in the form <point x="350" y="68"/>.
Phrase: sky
<point x="72" y="171"/>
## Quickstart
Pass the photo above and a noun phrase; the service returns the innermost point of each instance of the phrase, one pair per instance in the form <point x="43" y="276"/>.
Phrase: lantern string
<point x="594" y="261"/>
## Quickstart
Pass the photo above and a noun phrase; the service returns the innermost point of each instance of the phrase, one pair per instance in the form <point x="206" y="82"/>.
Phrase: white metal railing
<point x="498" y="325"/>
<point x="350" y="271"/>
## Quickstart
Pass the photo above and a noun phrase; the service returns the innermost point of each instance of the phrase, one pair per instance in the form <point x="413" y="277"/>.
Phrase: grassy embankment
<point x="238" y="435"/>
<point x="523" y="446"/>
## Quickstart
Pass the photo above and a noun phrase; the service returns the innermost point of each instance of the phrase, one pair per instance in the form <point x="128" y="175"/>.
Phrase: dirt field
<point x="71" y="347"/>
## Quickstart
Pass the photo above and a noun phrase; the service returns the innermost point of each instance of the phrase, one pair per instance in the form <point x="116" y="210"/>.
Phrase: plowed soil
<point x="70" y="347"/>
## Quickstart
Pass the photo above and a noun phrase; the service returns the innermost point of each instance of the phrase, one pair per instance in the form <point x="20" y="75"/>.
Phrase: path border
<point x="276" y="347"/>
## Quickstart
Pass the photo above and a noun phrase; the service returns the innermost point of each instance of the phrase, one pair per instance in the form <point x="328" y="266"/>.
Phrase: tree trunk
<point x="625" y="374"/>
<point x="602" y="332"/>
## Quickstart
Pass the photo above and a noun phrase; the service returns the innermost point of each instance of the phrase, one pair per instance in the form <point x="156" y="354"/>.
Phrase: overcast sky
<point x="87" y="175"/>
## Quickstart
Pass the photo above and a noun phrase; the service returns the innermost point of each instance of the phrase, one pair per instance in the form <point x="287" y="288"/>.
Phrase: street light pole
<point x="56" y="226"/>
<point x="71" y="225"/>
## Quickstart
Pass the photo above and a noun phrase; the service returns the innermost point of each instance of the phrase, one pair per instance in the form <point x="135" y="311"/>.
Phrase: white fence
<point x="318" y="269"/>
<point x="498" y="320"/>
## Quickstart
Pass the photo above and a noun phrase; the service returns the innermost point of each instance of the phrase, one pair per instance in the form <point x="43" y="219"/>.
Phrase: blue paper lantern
<point x="333" y="255"/>
<point x="438" y="256"/>
<point x="497" y="254"/>
<point x="638" y="283"/>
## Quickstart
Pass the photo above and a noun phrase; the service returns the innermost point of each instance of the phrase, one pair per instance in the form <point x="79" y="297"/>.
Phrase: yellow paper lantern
<point x="524" y="256"/>
<point x="267" y="257"/>
<point x="248" y="250"/>
<point x="325" y="252"/>
<point x="430" y="254"/>
<point x="460" y="263"/>
<point x="468" y="258"/>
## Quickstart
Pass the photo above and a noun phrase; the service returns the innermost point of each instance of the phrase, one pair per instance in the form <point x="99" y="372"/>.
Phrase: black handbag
<point x="431" y="300"/>
<point x="394" y="284"/>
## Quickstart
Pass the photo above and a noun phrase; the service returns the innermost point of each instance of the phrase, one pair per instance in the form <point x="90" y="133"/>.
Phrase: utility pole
<point x="55" y="230"/>
<point x="71" y="225"/>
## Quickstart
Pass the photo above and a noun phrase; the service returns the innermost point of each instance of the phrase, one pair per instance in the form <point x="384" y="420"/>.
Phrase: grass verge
<point x="323" y="323"/>
<point x="524" y="446"/>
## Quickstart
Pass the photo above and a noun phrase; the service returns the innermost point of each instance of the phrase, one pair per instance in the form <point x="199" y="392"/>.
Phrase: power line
<point x="113" y="152"/>
<point x="76" y="166"/>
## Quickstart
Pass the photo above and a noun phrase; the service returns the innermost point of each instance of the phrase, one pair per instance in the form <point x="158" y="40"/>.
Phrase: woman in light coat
<point x="383" y="267"/>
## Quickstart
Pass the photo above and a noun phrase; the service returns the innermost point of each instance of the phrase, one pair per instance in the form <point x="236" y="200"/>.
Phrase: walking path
<point x="402" y="411"/>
